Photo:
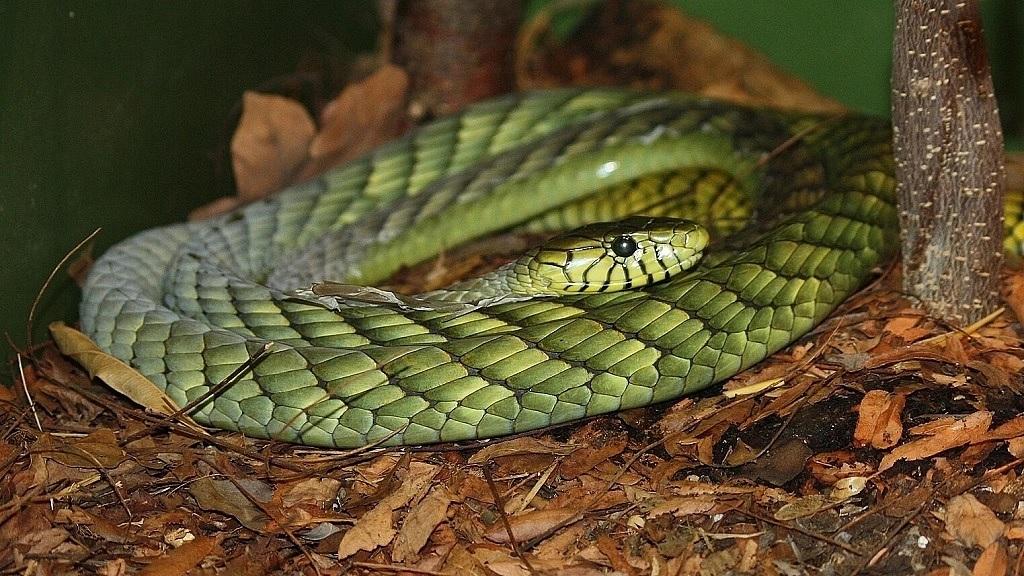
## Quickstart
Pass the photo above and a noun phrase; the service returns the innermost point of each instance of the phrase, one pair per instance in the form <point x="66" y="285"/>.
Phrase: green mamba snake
<point x="188" y="304"/>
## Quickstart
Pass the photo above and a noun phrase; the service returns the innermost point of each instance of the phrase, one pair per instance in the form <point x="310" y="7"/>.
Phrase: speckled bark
<point x="456" y="52"/>
<point x="949" y="158"/>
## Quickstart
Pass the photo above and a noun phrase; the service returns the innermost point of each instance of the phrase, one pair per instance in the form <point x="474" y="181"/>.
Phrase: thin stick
<point x="216" y="389"/>
<point x="803" y="531"/>
<point x="499" y="502"/>
<point x="46" y="285"/>
<point x="31" y="402"/>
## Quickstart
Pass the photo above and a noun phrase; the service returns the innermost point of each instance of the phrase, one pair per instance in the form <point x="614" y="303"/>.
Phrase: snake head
<point x="612" y="256"/>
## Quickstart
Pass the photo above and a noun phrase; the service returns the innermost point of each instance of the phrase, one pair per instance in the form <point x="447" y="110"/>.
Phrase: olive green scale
<point x="188" y="304"/>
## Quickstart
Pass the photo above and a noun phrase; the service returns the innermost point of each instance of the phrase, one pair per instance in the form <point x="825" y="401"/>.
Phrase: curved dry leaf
<point x="365" y="115"/>
<point x="115" y="373"/>
<point x="803" y="507"/>
<point x="684" y="505"/>
<point x="270" y="144"/>
<point x="529" y="525"/>
<point x="847" y="488"/>
<point x="376" y="527"/>
<point x="224" y="496"/>
<point x="878" y="422"/>
<point x="517" y="446"/>
<point x="420" y="523"/>
<point x="992" y="562"/>
<point x="941" y="434"/>
<point x="179" y="561"/>
<point x="99" y="449"/>
<point x="971" y="522"/>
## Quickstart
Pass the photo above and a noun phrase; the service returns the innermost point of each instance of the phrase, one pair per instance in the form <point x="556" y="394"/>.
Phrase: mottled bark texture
<point x="456" y="51"/>
<point x="949" y="158"/>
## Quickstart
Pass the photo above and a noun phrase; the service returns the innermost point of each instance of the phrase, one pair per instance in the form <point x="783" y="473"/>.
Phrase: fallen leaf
<point x="584" y="459"/>
<point x="684" y="505"/>
<point x="365" y="115"/>
<point x="376" y="527"/>
<point x="878" y="422"/>
<point x="317" y="491"/>
<point x="971" y="522"/>
<point x="940" y="435"/>
<point x="115" y="373"/>
<point x="992" y="562"/>
<point x="517" y="446"/>
<point x="1013" y="294"/>
<point x="847" y="488"/>
<point x="802" y="507"/>
<point x="224" y="496"/>
<point x="97" y="450"/>
<point x="529" y="525"/>
<point x="179" y="561"/>
<point x="420" y="523"/>
<point x="270" y="144"/>
<point x="1009" y="429"/>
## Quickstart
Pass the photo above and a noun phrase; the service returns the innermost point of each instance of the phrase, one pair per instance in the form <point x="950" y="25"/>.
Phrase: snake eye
<point x="624" y="246"/>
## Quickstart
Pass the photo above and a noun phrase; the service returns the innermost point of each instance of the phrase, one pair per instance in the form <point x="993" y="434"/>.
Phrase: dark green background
<point x="113" y="114"/>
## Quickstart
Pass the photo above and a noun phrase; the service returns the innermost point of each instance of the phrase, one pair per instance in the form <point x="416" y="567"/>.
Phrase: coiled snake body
<point x="188" y="304"/>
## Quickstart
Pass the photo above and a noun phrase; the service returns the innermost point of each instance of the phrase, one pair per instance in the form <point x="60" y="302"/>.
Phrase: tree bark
<point x="456" y="51"/>
<point x="948" y="148"/>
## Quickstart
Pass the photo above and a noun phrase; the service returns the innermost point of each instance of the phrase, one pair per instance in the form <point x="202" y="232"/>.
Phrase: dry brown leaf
<point x="1013" y="293"/>
<point x="992" y="562"/>
<point x="311" y="490"/>
<point x="941" y="434"/>
<point x="224" y="496"/>
<point x="802" y="507"/>
<point x="179" y="561"/>
<point x="115" y="373"/>
<point x="529" y="525"/>
<point x="98" y="525"/>
<point x="1009" y="429"/>
<point x="906" y="328"/>
<point x="1016" y="447"/>
<point x="99" y="449"/>
<point x="419" y="523"/>
<point x="971" y="522"/>
<point x="376" y="527"/>
<point x="583" y="459"/>
<point x="461" y="562"/>
<point x="365" y="115"/>
<point x="270" y="144"/>
<point x="517" y="446"/>
<point x="684" y="505"/>
<point x="878" y="423"/>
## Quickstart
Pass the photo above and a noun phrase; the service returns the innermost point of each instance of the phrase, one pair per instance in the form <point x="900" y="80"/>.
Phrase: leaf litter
<point x="882" y="443"/>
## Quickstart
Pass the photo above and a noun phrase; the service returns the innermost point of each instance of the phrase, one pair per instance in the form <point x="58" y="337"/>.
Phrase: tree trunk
<point x="949" y="158"/>
<point x="456" y="51"/>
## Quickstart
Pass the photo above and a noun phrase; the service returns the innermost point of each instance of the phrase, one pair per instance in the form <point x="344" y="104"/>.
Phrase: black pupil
<point x="624" y="246"/>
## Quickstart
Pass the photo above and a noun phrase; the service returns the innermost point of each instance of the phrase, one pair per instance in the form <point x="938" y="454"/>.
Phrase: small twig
<point x="800" y="530"/>
<point x="224" y="384"/>
<point x="30" y="323"/>
<point x="31" y="402"/>
<point x="499" y="502"/>
<point x="870" y="561"/>
<point x="252" y="498"/>
<point x="595" y="498"/>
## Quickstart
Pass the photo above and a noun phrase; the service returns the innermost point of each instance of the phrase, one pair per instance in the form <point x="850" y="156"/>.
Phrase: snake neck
<point x="508" y="283"/>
